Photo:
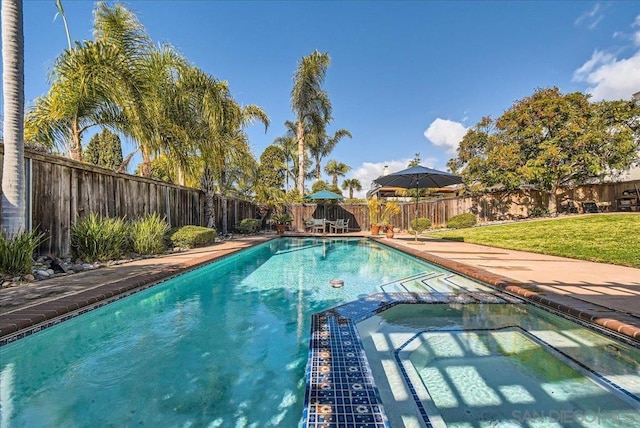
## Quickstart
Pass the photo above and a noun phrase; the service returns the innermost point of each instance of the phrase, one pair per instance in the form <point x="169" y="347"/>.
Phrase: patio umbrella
<point x="418" y="177"/>
<point x="324" y="195"/>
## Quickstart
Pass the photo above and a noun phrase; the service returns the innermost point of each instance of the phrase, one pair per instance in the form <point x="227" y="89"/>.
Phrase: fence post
<point x="28" y="193"/>
<point x="167" y="206"/>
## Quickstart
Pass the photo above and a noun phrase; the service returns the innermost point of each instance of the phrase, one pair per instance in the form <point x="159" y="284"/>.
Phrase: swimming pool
<point x="223" y="345"/>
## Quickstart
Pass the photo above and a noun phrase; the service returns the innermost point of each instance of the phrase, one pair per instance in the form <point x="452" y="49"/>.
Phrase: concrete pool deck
<point x="608" y="295"/>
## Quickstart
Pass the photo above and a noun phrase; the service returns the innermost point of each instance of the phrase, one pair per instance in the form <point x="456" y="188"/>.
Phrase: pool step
<point x="433" y="282"/>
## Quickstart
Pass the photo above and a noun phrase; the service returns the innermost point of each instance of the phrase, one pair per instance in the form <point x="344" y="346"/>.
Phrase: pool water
<point x="223" y="345"/>
<point x="506" y="365"/>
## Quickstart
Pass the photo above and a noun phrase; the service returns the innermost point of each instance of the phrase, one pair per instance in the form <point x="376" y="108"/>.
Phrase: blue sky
<point x="405" y="77"/>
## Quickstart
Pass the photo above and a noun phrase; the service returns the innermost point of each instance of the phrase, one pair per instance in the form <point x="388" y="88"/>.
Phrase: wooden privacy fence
<point x="59" y="190"/>
<point x="487" y="207"/>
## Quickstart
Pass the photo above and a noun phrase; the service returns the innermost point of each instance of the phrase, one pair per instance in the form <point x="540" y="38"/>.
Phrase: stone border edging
<point x="25" y="321"/>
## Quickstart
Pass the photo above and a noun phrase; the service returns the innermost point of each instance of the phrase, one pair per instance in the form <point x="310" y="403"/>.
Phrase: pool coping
<point x="19" y="323"/>
<point x="608" y="318"/>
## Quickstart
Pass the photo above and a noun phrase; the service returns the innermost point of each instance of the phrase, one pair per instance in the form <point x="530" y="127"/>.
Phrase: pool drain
<point x="337" y="283"/>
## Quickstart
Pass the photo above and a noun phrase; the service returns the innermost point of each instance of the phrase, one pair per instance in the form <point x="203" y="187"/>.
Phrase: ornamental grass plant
<point x="95" y="237"/>
<point x="16" y="254"/>
<point x="148" y="234"/>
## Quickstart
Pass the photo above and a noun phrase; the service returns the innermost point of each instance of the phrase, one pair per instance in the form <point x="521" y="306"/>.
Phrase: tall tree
<point x="94" y="83"/>
<point x="105" y="149"/>
<point x="272" y="167"/>
<point x="321" y="145"/>
<point x="289" y="144"/>
<point x="13" y="190"/>
<point x="336" y="169"/>
<point x="78" y="98"/>
<point x="309" y="102"/>
<point x="351" y="184"/>
<point x="550" y="140"/>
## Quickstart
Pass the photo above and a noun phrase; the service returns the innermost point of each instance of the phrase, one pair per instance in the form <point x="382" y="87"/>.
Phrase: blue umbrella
<point x="324" y="195"/>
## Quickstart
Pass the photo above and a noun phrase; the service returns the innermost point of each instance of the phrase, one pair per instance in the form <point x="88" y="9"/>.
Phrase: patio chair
<point x="308" y="224"/>
<point x="341" y="224"/>
<point x="318" y="225"/>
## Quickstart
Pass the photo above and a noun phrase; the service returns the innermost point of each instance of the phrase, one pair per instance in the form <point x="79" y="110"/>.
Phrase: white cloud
<point x="590" y="17"/>
<point x="610" y="78"/>
<point x="369" y="171"/>
<point x="446" y="133"/>
<point x="596" y="60"/>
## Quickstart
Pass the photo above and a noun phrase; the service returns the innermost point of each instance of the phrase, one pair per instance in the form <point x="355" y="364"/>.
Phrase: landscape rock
<point x="58" y="266"/>
<point x="41" y="274"/>
<point x="87" y="266"/>
<point x="29" y="278"/>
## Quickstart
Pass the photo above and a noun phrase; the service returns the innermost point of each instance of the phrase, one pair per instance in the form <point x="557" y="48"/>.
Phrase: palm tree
<point x="230" y="154"/>
<point x="320" y="144"/>
<point x="309" y="101"/>
<point x="13" y="190"/>
<point x="289" y="143"/>
<point x="78" y="98"/>
<point x="351" y="184"/>
<point x="94" y="83"/>
<point x="335" y="169"/>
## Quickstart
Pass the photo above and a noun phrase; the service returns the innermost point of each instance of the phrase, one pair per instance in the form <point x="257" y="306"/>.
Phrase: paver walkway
<point x="606" y="294"/>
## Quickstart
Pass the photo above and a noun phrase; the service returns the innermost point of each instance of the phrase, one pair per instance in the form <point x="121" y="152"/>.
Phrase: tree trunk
<point x="145" y="167"/>
<point x="318" y="169"/>
<point x="553" y="206"/>
<point x="209" y="209"/>
<point x="300" y="135"/>
<point x="180" y="176"/>
<point x="223" y="199"/>
<point x="13" y="190"/>
<point x="76" y="141"/>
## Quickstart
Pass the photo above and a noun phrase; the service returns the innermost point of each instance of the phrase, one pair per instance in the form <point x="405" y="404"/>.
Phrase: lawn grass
<point x="606" y="238"/>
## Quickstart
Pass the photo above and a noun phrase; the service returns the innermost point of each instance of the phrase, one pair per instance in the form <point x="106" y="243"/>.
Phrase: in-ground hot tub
<point x="466" y="365"/>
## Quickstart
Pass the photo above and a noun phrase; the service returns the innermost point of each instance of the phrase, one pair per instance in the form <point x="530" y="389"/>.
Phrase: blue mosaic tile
<point x="340" y="390"/>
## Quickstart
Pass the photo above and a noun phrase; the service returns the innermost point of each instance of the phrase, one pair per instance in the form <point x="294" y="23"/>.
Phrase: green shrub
<point x="249" y="225"/>
<point x="148" y="233"/>
<point x="16" y="254"/>
<point x="420" y="224"/>
<point x="99" y="238"/>
<point x="539" y="212"/>
<point x="462" y="221"/>
<point x="193" y="236"/>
